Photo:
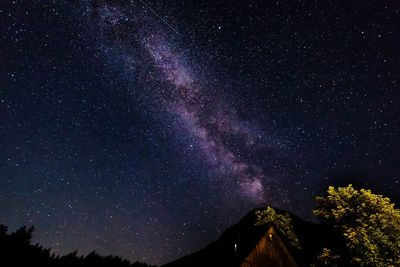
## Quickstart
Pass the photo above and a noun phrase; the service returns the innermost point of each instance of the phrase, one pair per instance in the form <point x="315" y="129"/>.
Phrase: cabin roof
<point x="246" y="235"/>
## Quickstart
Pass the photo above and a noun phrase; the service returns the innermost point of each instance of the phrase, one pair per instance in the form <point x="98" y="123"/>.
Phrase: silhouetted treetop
<point x="16" y="250"/>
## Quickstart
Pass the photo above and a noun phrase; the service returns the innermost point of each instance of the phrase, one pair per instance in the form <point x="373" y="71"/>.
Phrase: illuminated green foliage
<point x="370" y="224"/>
<point x="282" y="222"/>
<point x="327" y="258"/>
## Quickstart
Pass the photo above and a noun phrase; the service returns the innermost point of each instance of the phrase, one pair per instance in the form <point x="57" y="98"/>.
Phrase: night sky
<point x="146" y="128"/>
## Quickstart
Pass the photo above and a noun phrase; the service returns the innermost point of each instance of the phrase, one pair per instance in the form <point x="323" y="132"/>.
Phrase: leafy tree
<point x="282" y="222"/>
<point x="370" y="224"/>
<point x="327" y="258"/>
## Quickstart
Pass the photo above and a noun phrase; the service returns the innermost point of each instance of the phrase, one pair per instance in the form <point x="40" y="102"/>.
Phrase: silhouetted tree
<point x="16" y="250"/>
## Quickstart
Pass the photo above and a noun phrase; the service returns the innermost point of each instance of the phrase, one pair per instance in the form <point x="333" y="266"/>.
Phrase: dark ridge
<point x="245" y="234"/>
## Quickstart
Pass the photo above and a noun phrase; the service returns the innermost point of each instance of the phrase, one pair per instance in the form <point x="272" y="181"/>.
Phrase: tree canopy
<point x="370" y="224"/>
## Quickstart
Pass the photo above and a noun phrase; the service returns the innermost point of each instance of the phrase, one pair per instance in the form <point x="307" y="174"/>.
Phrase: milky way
<point x="208" y="122"/>
<point x="145" y="128"/>
<point x="213" y="123"/>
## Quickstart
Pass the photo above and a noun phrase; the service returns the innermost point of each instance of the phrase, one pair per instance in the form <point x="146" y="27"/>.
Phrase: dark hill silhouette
<point x="230" y="249"/>
<point x="17" y="250"/>
<point x="245" y="234"/>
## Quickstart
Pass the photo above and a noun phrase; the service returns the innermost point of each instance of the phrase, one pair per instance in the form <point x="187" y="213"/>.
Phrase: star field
<point x="146" y="128"/>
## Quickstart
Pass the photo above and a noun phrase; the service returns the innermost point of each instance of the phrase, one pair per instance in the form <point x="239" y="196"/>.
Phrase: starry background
<point x="146" y="128"/>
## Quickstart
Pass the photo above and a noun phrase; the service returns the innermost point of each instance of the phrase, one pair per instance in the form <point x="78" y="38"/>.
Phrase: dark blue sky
<point x="144" y="129"/>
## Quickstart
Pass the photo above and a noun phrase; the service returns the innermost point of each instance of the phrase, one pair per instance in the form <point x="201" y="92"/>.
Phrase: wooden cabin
<point x="270" y="250"/>
<point x="244" y="245"/>
<point x="248" y="245"/>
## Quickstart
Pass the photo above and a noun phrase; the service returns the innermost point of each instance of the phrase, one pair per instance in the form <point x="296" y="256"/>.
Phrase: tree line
<point x="16" y="249"/>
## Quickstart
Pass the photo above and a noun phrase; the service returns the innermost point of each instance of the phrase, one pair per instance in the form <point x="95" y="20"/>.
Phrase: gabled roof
<point x="223" y="252"/>
<point x="270" y="250"/>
